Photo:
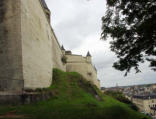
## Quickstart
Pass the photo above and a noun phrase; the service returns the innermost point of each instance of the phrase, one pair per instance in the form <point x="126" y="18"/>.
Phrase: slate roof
<point x="148" y="96"/>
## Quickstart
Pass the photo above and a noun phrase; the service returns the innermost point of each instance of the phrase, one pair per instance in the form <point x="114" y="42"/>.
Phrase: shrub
<point x="120" y="97"/>
<point x="64" y="59"/>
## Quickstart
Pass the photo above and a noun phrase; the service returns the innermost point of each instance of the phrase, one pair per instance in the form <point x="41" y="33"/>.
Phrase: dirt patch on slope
<point x="13" y="115"/>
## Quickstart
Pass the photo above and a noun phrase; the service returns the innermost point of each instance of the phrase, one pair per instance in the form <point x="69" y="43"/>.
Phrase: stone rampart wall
<point x="36" y="45"/>
<point x="82" y="65"/>
<point x="57" y="54"/>
<point x="11" y="74"/>
<point x="40" y="48"/>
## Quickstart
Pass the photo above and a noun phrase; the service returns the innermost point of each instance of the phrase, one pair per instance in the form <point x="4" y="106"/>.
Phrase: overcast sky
<point x="77" y="25"/>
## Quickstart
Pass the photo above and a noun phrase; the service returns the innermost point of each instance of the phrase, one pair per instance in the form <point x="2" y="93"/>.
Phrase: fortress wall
<point x="11" y="76"/>
<point x="94" y="75"/>
<point x="76" y="63"/>
<point x="29" y="49"/>
<point x="36" y="45"/>
<point x="57" y="54"/>
<point x="75" y="58"/>
<point x="78" y="67"/>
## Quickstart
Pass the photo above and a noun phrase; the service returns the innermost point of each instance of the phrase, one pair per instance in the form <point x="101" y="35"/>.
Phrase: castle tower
<point x="88" y="57"/>
<point x="46" y="9"/>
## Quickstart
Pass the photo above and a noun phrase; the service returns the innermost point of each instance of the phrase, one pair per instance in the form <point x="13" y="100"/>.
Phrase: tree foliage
<point x="132" y="25"/>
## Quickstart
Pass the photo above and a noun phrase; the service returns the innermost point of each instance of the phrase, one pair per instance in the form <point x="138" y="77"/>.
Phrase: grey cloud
<point x="77" y="24"/>
<point x="79" y="19"/>
<point x="110" y="77"/>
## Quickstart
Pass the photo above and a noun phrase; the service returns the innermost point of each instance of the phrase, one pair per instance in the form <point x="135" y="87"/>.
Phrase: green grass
<point x="121" y="97"/>
<point x="74" y="98"/>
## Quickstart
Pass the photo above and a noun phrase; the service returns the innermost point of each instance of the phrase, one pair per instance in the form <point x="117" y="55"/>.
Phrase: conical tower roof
<point x="62" y="48"/>
<point x="88" y="54"/>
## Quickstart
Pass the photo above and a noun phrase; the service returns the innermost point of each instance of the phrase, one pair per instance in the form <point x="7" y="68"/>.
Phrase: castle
<point x="29" y="49"/>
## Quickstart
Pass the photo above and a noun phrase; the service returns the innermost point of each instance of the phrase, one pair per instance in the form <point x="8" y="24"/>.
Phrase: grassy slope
<point x="74" y="98"/>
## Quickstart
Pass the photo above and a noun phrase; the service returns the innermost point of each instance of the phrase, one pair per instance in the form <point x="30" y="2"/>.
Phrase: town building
<point x="146" y="103"/>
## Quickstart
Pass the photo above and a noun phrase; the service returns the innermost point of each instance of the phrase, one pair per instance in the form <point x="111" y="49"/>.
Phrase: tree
<point x="132" y="25"/>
